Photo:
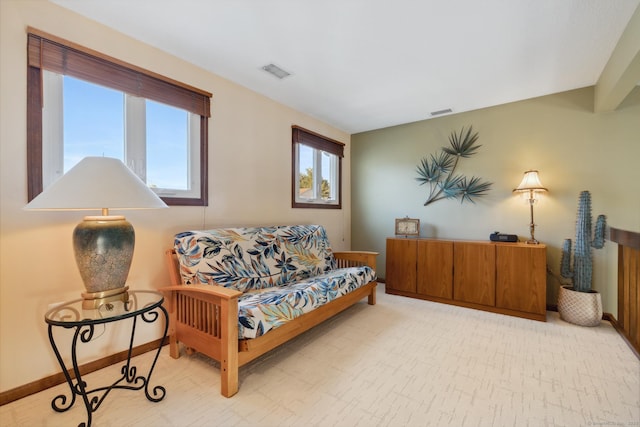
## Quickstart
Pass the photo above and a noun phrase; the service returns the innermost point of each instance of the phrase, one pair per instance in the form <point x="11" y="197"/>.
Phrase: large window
<point x="82" y="103"/>
<point x="317" y="170"/>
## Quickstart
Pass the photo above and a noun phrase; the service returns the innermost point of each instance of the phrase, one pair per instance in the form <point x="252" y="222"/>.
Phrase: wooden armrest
<point x="213" y="290"/>
<point x="357" y="258"/>
<point x="348" y="253"/>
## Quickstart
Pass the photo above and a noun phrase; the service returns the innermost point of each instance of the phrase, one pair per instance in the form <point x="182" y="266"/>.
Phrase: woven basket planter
<point x="580" y="308"/>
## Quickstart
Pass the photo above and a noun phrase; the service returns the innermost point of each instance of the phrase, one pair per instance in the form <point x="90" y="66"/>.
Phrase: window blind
<point x="45" y="51"/>
<point x="319" y="142"/>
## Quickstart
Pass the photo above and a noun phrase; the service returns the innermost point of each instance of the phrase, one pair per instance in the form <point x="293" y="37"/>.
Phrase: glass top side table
<point x="144" y="305"/>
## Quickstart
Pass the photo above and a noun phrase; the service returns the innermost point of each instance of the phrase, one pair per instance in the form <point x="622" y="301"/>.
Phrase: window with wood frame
<point x="83" y="103"/>
<point x="316" y="178"/>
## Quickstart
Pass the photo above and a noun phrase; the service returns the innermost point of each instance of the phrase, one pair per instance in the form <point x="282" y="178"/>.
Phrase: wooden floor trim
<point x="53" y="380"/>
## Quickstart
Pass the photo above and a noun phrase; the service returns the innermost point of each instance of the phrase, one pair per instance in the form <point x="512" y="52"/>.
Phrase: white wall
<point x="249" y="184"/>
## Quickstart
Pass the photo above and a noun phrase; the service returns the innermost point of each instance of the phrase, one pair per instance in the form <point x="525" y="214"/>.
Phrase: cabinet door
<point x="435" y="268"/>
<point x="521" y="278"/>
<point x="401" y="265"/>
<point x="474" y="273"/>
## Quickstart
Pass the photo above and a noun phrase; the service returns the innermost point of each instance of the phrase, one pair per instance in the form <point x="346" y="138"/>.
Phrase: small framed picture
<point x="407" y="226"/>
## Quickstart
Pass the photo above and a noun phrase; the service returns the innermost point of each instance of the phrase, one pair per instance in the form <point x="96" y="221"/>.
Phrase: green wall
<point x="573" y="148"/>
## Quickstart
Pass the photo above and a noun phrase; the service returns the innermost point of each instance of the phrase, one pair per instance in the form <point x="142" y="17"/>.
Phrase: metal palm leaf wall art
<point x="438" y="171"/>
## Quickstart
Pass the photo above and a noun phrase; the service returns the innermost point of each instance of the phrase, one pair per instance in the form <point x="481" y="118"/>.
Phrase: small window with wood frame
<point x="316" y="179"/>
<point x="83" y="103"/>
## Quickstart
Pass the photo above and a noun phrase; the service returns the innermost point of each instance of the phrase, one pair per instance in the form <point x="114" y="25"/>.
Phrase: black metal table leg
<point x="84" y="332"/>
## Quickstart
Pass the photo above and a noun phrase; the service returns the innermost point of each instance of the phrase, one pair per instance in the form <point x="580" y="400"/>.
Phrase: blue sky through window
<point x="93" y="121"/>
<point x="94" y="125"/>
<point x="167" y="146"/>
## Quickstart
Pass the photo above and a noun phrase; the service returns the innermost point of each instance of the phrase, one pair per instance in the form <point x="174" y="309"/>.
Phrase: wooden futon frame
<point x="204" y="318"/>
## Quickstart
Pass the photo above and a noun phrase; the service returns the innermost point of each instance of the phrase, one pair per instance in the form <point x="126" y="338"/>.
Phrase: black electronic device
<point x="501" y="237"/>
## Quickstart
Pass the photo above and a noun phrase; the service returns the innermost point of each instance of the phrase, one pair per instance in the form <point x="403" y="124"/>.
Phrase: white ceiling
<point x="366" y="64"/>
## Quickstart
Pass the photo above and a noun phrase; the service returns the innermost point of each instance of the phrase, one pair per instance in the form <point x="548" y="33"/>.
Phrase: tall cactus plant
<point x="582" y="271"/>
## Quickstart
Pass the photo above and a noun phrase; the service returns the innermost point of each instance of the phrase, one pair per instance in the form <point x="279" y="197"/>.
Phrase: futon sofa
<point x="237" y="293"/>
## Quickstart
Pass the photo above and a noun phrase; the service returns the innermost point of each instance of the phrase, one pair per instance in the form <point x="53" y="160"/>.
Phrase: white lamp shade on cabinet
<point x="530" y="181"/>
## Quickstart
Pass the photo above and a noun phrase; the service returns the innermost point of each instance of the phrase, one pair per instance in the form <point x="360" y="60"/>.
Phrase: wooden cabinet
<point x="434" y="268"/>
<point x="401" y="268"/>
<point x="475" y="273"/>
<point x="507" y="278"/>
<point x="521" y="282"/>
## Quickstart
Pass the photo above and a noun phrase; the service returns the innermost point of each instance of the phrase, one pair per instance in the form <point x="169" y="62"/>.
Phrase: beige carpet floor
<point x="403" y="362"/>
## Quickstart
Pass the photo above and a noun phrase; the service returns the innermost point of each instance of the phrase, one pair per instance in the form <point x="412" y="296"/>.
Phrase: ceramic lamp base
<point x="103" y="247"/>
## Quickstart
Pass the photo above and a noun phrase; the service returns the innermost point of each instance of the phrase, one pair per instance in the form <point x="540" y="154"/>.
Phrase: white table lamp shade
<point x="97" y="183"/>
<point x="530" y="181"/>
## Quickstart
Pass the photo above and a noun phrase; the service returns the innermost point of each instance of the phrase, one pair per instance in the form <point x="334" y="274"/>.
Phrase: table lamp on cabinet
<point x="531" y="186"/>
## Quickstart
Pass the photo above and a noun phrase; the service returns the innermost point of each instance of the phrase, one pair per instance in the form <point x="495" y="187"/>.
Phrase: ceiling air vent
<point x="440" y="112"/>
<point x="276" y="71"/>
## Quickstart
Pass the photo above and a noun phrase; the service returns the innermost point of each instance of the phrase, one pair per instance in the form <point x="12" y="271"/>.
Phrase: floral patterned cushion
<point x="261" y="311"/>
<point x="254" y="258"/>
